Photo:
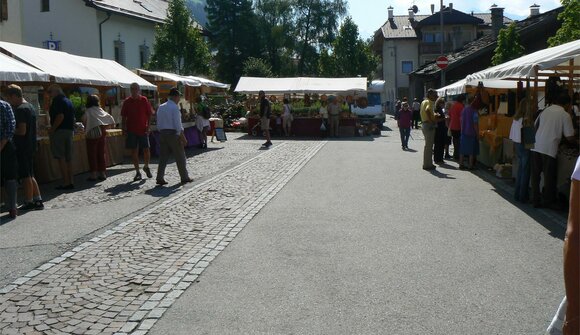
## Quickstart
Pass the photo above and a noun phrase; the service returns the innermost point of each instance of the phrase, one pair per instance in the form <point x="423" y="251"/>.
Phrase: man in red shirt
<point x="136" y="113"/>
<point x="455" y="123"/>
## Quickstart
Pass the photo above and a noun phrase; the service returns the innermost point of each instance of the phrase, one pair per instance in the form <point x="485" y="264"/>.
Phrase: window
<point x="3" y="10"/>
<point x="45" y="5"/>
<point x="143" y="55"/>
<point x="120" y="52"/>
<point x="407" y="66"/>
<point x="431" y="37"/>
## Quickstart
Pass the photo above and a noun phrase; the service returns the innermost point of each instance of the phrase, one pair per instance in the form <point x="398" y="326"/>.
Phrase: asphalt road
<point x="363" y="241"/>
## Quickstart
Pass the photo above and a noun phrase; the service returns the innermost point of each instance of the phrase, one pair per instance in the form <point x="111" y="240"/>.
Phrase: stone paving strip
<point x="118" y="186"/>
<point x="123" y="281"/>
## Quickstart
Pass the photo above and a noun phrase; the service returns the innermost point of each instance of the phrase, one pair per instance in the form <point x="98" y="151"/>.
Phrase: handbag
<point x="94" y="133"/>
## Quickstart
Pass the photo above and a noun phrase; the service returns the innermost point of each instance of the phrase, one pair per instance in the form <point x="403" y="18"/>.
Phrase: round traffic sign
<point x="442" y="62"/>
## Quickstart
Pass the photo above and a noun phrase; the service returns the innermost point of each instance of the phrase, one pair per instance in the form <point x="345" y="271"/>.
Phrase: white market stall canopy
<point x="71" y="69"/>
<point x="524" y="67"/>
<point x="252" y="85"/>
<point x="185" y="80"/>
<point x="160" y="76"/>
<point x="459" y="87"/>
<point x="12" y="70"/>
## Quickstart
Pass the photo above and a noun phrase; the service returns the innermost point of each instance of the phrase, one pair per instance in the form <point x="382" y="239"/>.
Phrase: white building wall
<point x="69" y="21"/>
<point x="132" y="32"/>
<point x="11" y="29"/>
<point x="396" y="51"/>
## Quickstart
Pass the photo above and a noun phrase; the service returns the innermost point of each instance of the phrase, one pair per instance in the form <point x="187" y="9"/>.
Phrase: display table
<point x="46" y="168"/>
<point x="190" y="131"/>
<point x="310" y="126"/>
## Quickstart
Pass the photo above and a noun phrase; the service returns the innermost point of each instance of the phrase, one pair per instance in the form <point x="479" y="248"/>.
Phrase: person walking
<point x="25" y="143"/>
<point x="96" y="122"/>
<point x="553" y="123"/>
<point x="404" y="122"/>
<point x="172" y="138"/>
<point x="202" y="120"/>
<point x="287" y="118"/>
<point x="416" y="113"/>
<point x="469" y="134"/>
<point x="8" y="164"/>
<point x="265" y="113"/>
<point x="455" y="124"/>
<point x="323" y="111"/>
<point x="440" y="132"/>
<point x="62" y="121"/>
<point x="524" y="117"/>
<point x="572" y="257"/>
<point x="333" y="116"/>
<point x="428" y="124"/>
<point x="136" y="114"/>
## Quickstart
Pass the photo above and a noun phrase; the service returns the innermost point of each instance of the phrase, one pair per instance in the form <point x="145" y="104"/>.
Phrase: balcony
<point x="434" y="48"/>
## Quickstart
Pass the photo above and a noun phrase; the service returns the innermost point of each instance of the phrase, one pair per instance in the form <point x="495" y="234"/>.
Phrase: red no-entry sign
<point x="442" y="62"/>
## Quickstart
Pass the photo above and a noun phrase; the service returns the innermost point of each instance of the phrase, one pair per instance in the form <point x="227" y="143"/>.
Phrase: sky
<point x="370" y="15"/>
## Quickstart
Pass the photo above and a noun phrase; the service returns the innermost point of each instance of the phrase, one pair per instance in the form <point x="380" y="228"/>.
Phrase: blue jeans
<point x="523" y="177"/>
<point x="405" y="133"/>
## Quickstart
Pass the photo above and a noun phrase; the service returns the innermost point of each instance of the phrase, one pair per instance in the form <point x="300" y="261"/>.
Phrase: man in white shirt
<point x="553" y="123"/>
<point x="171" y="139"/>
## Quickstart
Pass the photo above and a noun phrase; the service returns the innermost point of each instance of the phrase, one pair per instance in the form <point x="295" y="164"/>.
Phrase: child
<point x="278" y="124"/>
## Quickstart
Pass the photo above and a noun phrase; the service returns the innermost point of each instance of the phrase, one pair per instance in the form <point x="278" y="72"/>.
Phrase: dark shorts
<point x="135" y="141"/>
<point x="25" y="165"/>
<point x="61" y="144"/>
<point x="8" y="163"/>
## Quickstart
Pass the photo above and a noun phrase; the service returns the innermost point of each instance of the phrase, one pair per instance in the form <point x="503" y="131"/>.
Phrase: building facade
<point x="407" y="42"/>
<point x="123" y="31"/>
<point x="10" y="21"/>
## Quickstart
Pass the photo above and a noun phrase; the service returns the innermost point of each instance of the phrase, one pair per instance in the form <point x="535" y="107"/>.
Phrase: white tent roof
<point x="210" y="83"/>
<point x="459" y="86"/>
<point x="301" y="85"/>
<point x="12" y="70"/>
<point x="72" y="69"/>
<point x="524" y="66"/>
<point x="171" y="77"/>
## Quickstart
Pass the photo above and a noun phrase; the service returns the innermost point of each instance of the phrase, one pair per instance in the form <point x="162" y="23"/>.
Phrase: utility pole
<point x="442" y="38"/>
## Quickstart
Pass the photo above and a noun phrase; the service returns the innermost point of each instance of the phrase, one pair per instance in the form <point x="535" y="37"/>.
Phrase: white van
<point x="375" y="110"/>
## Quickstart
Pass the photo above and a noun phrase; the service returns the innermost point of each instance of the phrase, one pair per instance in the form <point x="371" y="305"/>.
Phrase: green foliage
<point x="351" y="55"/>
<point x="570" y="18"/>
<point x="508" y="45"/>
<point x="178" y="46"/>
<point x="257" y="67"/>
<point x="315" y="26"/>
<point x="233" y="27"/>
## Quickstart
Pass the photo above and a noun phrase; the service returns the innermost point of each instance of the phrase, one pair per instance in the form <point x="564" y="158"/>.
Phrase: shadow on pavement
<point x="441" y="175"/>
<point x="127" y="187"/>
<point x="162" y="192"/>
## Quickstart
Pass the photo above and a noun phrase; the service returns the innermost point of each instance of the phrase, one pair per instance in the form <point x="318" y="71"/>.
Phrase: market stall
<point x="72" y="73"/>
<point x="310" y="92"/>
<point x="533" y="70"/>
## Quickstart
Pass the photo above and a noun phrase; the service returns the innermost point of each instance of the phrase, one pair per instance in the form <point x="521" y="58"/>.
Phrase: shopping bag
<point x="322" y="126"/>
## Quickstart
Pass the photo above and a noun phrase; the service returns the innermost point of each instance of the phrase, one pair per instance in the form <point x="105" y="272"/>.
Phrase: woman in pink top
<point x="455" y="124"/>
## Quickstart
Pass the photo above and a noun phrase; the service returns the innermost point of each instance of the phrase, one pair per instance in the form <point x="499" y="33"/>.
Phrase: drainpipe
<point x="101" y="32"/>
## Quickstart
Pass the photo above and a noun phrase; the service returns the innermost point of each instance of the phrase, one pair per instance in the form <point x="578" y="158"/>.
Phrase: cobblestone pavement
<point x="120" y="182"/>
<point x="125" y="279"/>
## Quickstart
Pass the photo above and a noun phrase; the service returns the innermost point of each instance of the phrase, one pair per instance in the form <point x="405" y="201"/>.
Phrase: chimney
<point x="390" y="9"/>
<point x="432" y="9"/>
<point x="534" y="10"/>
<point x="496" y="19"/>
<point x="450" y="6"/>
<point x="411" y="14"/>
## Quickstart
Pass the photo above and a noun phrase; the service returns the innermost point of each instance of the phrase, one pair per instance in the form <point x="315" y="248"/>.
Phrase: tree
<point x="233" y="28"/>
<point x="570" y="30"/>
<point x="351" y="55"/>
<point x="316" y="25"/>
<point x="508" y="45"/>
<point x="257" y="67"/>
<point x="275" y="24"/>
<point x="178" y="45"/>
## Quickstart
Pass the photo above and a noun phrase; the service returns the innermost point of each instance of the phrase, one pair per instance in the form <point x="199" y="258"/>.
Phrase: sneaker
<point x="137" y="177"/>
<point x="147" y="171"/>
<point x="185" y="181"/>
<point x="38" y="205"/>
<point x="102" y="178"/>
<point x="269" y="143"/>
<point x="161" y="182"/>
<point x="27" y="207"/>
